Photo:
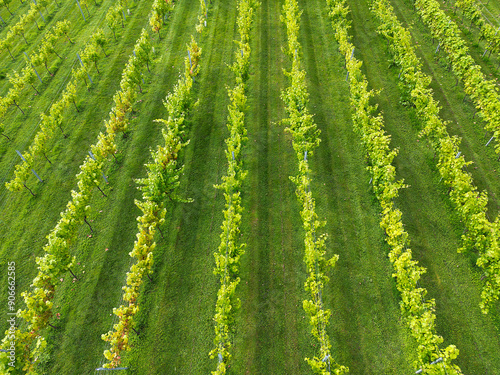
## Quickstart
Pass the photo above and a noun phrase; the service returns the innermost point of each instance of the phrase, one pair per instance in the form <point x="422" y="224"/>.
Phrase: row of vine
<point x="229" y="252"/>
<point x="481" y="234"/>
<point x="417" y="312"/>
<point x="305" y="138"/>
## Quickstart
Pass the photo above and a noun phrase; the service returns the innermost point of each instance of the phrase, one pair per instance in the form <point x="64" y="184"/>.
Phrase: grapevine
<point x="305" y="138"/>
<point x="418" y="314"/>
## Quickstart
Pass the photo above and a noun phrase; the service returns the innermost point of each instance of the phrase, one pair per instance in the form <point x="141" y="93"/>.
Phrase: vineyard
<point x="250" y="187"/>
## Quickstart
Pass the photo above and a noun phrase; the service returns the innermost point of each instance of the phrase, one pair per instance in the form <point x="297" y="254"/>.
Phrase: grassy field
<point x="175" y="323"/>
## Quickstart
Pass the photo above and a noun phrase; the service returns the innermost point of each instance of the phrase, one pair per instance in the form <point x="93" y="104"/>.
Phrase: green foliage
<point x="63" y="28"/>
<point x="105" y="145"/>
<point x="163" y="173"/>
<point x="483" y="92"/>
<point x="143" y="49"/>
<point x="114" y="17"/>
<point x="162" y="182"/>
<point x="202" y="18"/>
<point x="69" y="95"/>
<point x="227" y="257"/>
<point x="5" y="3"/>
<point x="305" y="138"/>
<point x="39" y="146"/>
<point x="99" y="39"/>
<point x="158" y="13"/>
<point x="481" y="234"/>
<point x="6" y="43"/>
<point x="419" y="314"/>
<point x="471" y="11"/>
<point x="57" y="259"/>
<point x="291" y="17"/>
<point x="192" y="66"/>
<point x="90" y="55"/>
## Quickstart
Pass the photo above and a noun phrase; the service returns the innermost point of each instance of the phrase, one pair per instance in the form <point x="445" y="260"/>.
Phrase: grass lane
<point x="273" y="333"/>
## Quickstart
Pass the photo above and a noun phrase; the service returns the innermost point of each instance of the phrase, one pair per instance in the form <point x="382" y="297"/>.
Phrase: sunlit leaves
<point x="483" y="92"/>
<point x="230" y="250"/>
<point x="481" y="234"/>
<point x="158" y="13"/>
<point x="418" y="313"/>
<point x="161" y="183"/>
<point x="305" y="138"/>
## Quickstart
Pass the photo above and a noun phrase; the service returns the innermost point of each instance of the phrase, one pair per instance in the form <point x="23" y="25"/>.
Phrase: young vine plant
<point x="305" y="138"/>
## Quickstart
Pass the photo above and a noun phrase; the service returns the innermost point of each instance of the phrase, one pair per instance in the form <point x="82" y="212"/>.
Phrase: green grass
<point x="16" y="7"/>
<point x="491" y="10"/>
<point x="272" y="334"/>
<point x="272" y="273"/>
<point x="471" y="34"/>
